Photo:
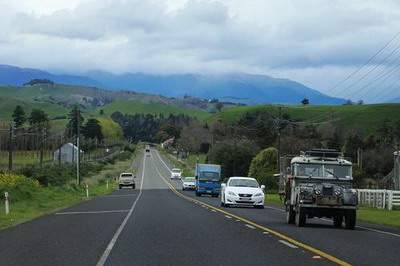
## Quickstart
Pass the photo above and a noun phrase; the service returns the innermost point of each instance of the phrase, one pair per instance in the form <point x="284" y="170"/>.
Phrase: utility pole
<point x="59" y="150"/>
<point x="279" y="139"/>
<point x="42" y="146"/>
<point x="359" y="158"/>
<point x="11" y="146"/>
<point x="78" y="179"/>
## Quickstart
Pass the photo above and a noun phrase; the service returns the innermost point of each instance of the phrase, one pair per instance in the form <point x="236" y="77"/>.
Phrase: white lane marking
<point x="237" y="220"/>
<point x="369" y="229"/>
<point x="213" y="210"/>
<point x="357" y="226"/>
<point x="288" y="244"/>
<point x="90" y="212"/>
<point x="117" y="196"/>
<point x="282" y="210"/>
<point x="275" y="209"/>
<point x="162" y="161"/>
<point x="227" y="216"/>
<point x="110" y="245"/>
<point x="249" y="226"/>
<point x="266" y="233"/>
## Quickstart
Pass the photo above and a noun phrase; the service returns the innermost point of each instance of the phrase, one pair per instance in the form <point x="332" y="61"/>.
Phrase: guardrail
<point x="379" y="198"/>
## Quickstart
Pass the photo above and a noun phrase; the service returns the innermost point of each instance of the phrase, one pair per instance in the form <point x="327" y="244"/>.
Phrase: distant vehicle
<point x="242" y="191"/>
<point x="319" y="184"/>
<point x="208" y="178"/>
<point x="176" y="173"/>
<point x="126" y="180"/>
<point x="188" y="182"/>
<point x="147" y="148"/>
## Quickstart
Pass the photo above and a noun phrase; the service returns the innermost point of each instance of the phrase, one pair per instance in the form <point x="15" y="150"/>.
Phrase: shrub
<point x="263" y="168"/>
<point x="18" y="186"/>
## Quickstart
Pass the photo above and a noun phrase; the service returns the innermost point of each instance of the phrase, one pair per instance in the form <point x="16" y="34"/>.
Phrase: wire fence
<point x="20" y="147"/>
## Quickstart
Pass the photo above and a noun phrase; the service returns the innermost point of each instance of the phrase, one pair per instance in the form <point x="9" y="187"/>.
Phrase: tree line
<point x="251" y="142"/>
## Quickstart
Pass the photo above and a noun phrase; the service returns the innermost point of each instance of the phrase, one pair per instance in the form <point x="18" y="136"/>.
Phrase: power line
<point x="372" y="69"/>
<point x="365" y="64"/>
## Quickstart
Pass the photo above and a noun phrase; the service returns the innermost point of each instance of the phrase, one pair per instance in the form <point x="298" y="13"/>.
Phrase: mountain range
<point x="234" y="87"/>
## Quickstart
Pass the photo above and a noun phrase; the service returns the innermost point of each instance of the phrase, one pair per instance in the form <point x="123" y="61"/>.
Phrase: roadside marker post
<point x="87" y="191"/>
<point x="107" y="184"/>
<point x="7" y="204"/>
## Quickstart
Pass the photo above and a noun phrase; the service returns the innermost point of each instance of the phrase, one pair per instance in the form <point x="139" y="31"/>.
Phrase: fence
<point x="379" y="198"/>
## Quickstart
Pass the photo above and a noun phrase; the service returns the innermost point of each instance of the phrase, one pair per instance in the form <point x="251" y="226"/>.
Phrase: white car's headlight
<point x="231" y="193"/>
<point x="258" y="195"/>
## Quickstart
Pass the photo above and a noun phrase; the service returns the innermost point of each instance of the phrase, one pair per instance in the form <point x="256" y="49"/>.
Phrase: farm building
<point x="67" y="153"/>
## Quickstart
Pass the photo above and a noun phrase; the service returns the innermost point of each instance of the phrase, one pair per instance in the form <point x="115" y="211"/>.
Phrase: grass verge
<point x="45" y="200"/>
<point x="365" y="214"/>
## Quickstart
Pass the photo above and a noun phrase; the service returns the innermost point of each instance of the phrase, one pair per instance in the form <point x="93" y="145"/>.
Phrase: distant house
<point x="166" y="144"/>
<point x="67" y="153"/>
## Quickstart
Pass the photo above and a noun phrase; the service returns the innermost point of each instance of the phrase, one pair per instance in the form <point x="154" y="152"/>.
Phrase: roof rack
<point x="323" y="153"/>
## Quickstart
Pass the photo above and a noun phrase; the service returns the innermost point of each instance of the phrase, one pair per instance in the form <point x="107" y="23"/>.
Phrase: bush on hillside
<point x="263" y="168"/>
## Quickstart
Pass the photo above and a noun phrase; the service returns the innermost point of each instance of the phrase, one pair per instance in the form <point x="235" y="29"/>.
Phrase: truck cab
<point x="208" y="179"/>
<point x="319" y="184"/>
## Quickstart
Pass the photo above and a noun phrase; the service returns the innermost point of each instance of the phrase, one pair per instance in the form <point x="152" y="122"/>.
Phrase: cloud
<point x="304" y="40"/>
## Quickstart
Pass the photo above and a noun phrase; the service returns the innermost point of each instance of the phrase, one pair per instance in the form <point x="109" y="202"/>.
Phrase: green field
<point x="134" y="107"/>
<point x="22" y="158"/>
<point x="363" y="118"/>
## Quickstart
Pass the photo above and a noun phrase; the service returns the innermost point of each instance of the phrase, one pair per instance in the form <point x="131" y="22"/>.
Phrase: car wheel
<point x="290" y="215"/>
<point x="350" y="219"/>
<point x="222" y="204"/>
<point x="300" y="217"/>
<point x="120" y="187"/>
<point x="134" y="186"/>
<point x="337" y="221"/>
<point x="198" y="194"/>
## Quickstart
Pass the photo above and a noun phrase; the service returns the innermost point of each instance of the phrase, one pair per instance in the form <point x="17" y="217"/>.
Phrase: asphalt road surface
<point x="158" y="224"/>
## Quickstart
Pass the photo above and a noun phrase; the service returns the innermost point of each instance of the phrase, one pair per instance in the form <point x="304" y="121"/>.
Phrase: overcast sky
<point x="314" y="42"/>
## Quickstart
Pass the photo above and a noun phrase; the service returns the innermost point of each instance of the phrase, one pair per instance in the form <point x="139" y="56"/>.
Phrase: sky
<point x="315" y="42"/>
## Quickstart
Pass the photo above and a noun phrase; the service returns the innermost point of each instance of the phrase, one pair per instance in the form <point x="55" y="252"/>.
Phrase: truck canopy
<point x="208" y="168"/>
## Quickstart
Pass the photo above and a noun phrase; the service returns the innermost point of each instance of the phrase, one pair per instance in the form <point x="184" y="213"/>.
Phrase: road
<point x="158" y="224"/>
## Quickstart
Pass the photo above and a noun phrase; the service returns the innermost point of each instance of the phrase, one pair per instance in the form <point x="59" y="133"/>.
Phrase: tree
<point x="219" y="106"/>
<point x="352" y="143"/>
<point x="38" y="118"/>
<point x="19" y="116"/>
<point x="305" y="101"/>
<point x="101" y="112"/>
<point x="263" y="167"/>
<point x="92" y="129"/>
<point x="234" y="156"/>
<point x="75" y="120"/>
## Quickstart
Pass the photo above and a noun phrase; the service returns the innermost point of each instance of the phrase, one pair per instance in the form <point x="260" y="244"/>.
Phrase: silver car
<point x="188" y="183"/>
<point x="126" y="180"/>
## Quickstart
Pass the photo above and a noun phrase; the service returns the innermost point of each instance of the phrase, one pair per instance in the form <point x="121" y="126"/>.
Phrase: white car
<point x="242" y="191"/>
<point x="188" y="182"/>
<point x="126" y="180"/>
<point x="176" y="173"/>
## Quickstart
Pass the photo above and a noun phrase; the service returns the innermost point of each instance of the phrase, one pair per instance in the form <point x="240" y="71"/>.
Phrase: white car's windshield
<point x="189" y="179"/>
<point x="176" y="171"/>
<point x="243" y="183"/>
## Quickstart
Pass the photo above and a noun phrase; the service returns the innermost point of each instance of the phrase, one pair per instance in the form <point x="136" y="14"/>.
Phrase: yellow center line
<point x="271" y="231"/>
